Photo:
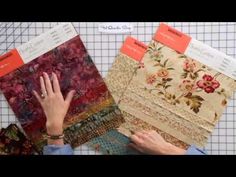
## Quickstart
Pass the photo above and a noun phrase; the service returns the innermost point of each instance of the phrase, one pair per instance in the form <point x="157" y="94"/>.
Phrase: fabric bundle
<point x="92" y="111"/>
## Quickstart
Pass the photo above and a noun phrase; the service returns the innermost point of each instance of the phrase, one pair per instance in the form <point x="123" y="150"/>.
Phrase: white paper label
<point x="46" y="42"/>
<point x="212" y="58"/>
<point x="115" y="28"/>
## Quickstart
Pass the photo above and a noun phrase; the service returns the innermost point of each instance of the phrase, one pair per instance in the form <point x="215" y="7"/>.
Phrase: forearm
<point x="173" y="150"/>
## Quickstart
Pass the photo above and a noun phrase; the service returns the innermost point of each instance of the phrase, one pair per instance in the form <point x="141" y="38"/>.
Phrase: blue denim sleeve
<point x="192" y="150"/>
<point x="58" y="150"/>
<point x="67" y="150"/>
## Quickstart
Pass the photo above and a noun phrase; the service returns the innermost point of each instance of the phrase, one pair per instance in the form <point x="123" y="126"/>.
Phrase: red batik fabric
<point x="92" y="110"/>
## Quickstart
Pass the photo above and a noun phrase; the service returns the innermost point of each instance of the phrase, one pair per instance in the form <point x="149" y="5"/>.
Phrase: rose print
<point x="155" y="52"/>
<point x="187" y="86"/>
<point x="191" y="88"/>
<point x="208" y="84"/>
<point x="190" y="68"/>
<point x="163" y="73"/>
<point x="189" y="65"/>
<point x="151" y="79"/>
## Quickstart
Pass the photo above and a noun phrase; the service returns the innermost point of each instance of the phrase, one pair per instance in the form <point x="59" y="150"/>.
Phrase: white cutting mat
<point x="103" y="49"/>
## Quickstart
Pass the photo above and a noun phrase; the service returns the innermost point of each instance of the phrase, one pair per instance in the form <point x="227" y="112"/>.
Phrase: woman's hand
<point x="54" y="105"/>
<point x="150" y="142"/>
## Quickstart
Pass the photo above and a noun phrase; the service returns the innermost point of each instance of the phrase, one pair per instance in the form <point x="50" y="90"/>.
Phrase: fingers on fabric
<point x="134" y="146"/>
<point x="135" y="139"/>
<point x="48" y="88"/>
<point x="37" y="96"/>
<point x="47" y="83"/>
<point x="69" y="96"/>
<point x="55" y="82"/>
<point x="141" y="134"/>
<point x="42" y="85"/>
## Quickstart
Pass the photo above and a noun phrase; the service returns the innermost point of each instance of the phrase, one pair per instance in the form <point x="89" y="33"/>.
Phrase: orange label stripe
<point x="133" y="48"/>
<point x="172" y="38"/>
<point x="9" y="62"/>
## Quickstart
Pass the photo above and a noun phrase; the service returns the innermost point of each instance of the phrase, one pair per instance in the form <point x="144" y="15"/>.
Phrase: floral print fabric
<point x="118" y="80"/>
<point x="175" y="94"/>
<point x="14" y="142"/>
<point x="186" y="83"/>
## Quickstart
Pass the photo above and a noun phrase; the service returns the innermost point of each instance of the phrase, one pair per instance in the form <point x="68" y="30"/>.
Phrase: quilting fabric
<point x="93" y="110"/>
<point x="184" y="97"/>
<point x="112" y="143"/>
<point x="14" y="142"/>
<point x="170" y="92"/>
<point x="119" y="78"/>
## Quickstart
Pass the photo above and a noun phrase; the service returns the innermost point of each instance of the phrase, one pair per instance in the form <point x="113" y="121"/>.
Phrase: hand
<point x="150" y="142"/>
<point x="54" y="105"/>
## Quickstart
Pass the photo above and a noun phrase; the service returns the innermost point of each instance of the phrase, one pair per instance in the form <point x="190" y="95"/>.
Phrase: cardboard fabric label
<point x="9" y="62"/>
<point x="172" y="38"/>
<point x="133" y="48"/>
<point x="36" y="47"/>
<point x="197" y="50"/>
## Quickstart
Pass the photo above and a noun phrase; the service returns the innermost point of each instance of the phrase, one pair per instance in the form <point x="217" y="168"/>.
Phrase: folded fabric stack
<point x="92" y="111"/>
<point x="14" y="142"/>
<point x="172" y="87"/>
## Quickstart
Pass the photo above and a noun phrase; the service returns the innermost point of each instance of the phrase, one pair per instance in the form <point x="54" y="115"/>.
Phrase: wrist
<point x="54" y="129"/>
<point x="174" y="150"/>
<point x="55" y="142"/>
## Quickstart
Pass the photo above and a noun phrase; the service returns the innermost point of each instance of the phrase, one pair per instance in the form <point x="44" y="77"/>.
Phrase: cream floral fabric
<point x="171" y="93"/>
<point x="118" y="79"/>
